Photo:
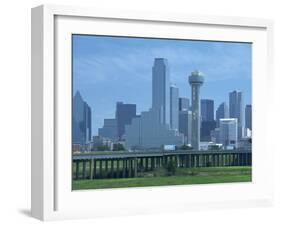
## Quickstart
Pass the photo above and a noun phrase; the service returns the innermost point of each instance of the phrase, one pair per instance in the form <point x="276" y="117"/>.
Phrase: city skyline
<point x="144" y="101"/>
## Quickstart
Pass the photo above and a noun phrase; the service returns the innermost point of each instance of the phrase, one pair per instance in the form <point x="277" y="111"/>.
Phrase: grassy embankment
<point x="182" y="176"/>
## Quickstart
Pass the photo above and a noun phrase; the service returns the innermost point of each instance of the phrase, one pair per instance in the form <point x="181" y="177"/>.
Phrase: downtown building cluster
<point x="171" y="120"/>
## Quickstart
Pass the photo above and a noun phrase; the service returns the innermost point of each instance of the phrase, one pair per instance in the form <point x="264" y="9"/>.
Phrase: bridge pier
<point x="135" y="167"/>
<point x="129" y="168"/>
<point x="111" y="168"/>
<point x="106" y="167"/>
<point x="146" y="164"/>
<point x="141" y="163"/>
<point x="123" y="168"/>
<point x="152" y="163"/>
<point x="95" y="169"/>
<point x="226" y="160"/>
<point x="83" y="169"/>
<point x="77" y="169"/>
<point x="91" y="169"/>
<point x="100" y="168"/>
<point x="241" y="159"/>
<point x="250" y="159"/>
<point x="117" y="168"/>
<point x="206" y="160"/>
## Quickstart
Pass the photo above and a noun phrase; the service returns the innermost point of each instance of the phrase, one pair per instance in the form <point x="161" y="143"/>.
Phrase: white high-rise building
<point x="161" y="89"/>
<point x="229" y="132"/>
<point x="174" y="107"/>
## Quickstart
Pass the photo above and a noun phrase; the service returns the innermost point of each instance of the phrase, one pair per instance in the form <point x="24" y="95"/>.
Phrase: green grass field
<point x="182" y="176"/>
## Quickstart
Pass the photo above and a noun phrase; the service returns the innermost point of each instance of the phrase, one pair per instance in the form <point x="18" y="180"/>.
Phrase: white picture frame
<point x="52" y="197"/>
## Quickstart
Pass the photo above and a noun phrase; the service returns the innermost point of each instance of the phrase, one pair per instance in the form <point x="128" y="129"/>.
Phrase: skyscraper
<point x="109" y="129"/>
<point x="236" y="109"/>
<point x="207" y="119"/>
<point x="222" y="112"/>
<point x="81" y="120"/>
<point x="183" y="104"/>
<point x="161" y="89"/>
<point x="248" y="116"/>
<point x="174" y="107"/>
<point x="124" y="115"/>
<point x="88" y="119"/>
<point x="196" y="79"/>
<point x="185" y="119"/>
<point x="228" y="132"/>
<point x="206" y="129"/>
<point x="207" y="110"/>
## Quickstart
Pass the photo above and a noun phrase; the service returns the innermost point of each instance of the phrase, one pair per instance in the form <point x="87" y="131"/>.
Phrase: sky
<point x="108" y="69"/>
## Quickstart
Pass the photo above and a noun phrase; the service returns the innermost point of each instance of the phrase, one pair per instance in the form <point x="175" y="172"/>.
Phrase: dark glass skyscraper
<point x="248" y="116"/>
<point x="185" y="125"/>
<point x="124" y="115"/>
<point x="183" y="104"/>
<point x="207" y="110"/>
<point x="207" y="119"/>
<point x="81" y="120"/>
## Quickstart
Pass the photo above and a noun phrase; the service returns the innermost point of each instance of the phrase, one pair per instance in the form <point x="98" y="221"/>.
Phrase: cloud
<point x="218" y="61"/>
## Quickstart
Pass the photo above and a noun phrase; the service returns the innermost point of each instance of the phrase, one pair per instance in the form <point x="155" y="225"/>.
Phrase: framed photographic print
<point x="135" y="113"/>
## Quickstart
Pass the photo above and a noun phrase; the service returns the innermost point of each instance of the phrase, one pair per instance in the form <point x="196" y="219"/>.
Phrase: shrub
<point x="171" y="167"/>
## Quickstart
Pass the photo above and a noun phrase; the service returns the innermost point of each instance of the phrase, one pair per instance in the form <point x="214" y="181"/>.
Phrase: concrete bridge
<point x="121" y="164"/>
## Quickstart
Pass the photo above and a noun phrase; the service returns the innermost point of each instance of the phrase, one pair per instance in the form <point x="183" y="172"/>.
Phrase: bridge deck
<point x="134" y="154"/>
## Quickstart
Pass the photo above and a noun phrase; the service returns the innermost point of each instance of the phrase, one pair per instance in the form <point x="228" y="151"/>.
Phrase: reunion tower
<point x="196" y="79"/>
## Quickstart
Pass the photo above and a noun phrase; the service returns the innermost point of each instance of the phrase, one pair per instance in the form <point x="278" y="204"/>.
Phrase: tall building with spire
<point x="196" y="80"/>
<point x="161" y="89"/>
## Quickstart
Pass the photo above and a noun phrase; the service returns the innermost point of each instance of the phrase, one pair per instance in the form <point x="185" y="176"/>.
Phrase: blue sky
<point x="110" y="69"/>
